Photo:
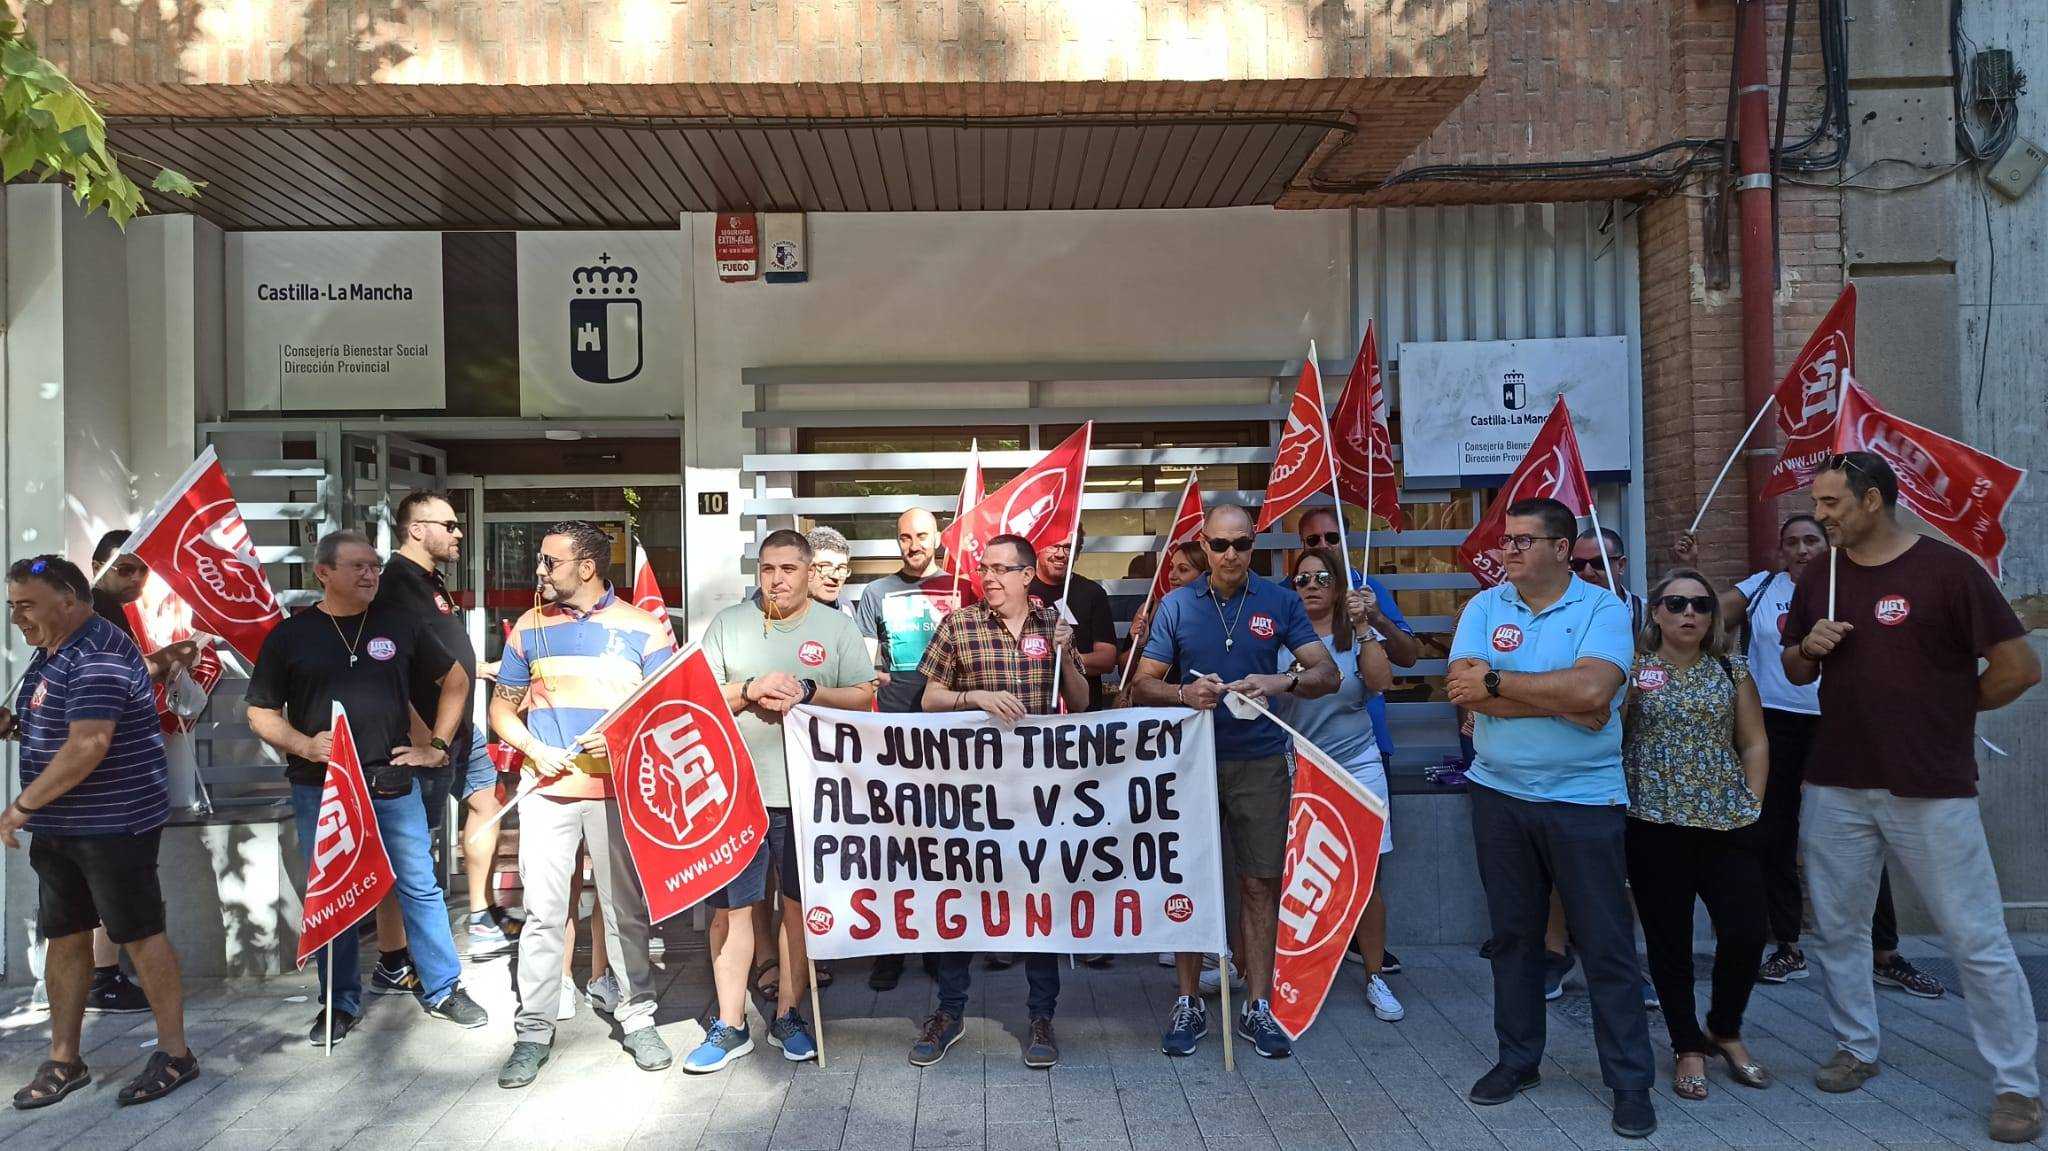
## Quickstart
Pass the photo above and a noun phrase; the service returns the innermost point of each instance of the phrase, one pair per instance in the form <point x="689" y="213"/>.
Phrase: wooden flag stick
<point x="1223" y="981"/>
<point x="817" y="1015"/>
<point x="329" y="1016"/>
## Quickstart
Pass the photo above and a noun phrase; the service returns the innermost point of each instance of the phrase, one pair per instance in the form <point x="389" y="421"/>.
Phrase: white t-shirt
<point x="1766" y="617"/>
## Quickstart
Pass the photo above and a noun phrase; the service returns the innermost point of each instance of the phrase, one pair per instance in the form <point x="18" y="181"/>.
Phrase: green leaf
<point x="176" y="183"/>
<point x="22" y="150"/>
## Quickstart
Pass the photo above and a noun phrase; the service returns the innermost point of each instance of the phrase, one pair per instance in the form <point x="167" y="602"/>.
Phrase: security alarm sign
<point x="738" y="246"/>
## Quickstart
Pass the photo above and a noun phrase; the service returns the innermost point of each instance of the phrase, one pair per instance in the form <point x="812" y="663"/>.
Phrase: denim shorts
<point x="751" y="886"/>
<point x="478" y="772"/>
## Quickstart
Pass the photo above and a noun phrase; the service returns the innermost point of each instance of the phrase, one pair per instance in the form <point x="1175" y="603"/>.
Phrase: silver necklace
<point x="345" y="640"/>
<point x="1230" y="625"/>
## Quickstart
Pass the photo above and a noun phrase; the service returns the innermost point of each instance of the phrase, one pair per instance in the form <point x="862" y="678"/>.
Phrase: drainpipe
<point x="1759" y="262"/>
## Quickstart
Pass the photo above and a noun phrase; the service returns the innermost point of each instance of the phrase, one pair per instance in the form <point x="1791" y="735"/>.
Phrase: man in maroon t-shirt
<point x="1893" y="766"/>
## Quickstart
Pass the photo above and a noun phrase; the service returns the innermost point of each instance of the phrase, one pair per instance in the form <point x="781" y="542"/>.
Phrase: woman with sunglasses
<point x="1185" y="564"/>
<point x="1696" y="758"/>
<point x="1341" y="726"/>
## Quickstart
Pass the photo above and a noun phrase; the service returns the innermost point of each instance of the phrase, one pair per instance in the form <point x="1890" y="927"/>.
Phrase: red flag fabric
<point x="1808" y="395"/>
<point x="1961" y="492"/>
<point x="1187" y="524"/>
<point x="1334" y="827"/>
<point x="1553" y="468"/>
<point x="647" y="592"/>
<point x="1301" y="462"/>
<point x="688" y="800"/>
<point x="1042" y="504"/>
<point x="159" y="619"/>
<point x="196" y="541"/>
<point x="1364" y="446"/>
<point x="350" y="872"/>
<point x="973" y="489"/>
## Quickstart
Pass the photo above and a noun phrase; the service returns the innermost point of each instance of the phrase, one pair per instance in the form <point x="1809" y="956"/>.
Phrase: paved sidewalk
<point x="403" y="1080"/>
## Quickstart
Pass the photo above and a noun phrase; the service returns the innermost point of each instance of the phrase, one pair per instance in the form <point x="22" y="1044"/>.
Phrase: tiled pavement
<point x="404" y="1080"/>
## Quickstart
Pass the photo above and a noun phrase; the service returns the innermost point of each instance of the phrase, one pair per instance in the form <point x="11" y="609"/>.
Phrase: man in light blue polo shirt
<point x="1541" y="660"/>
<point x="1224" y="633"/>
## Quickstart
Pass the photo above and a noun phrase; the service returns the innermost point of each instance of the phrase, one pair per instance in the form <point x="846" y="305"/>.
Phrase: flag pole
<point x="1593" y="510"/>
<point x="1223" y="981"/>
<point x="329" y="1015"/>
<point x="1833" y="552"/>
<point x="527" y="786"/>
<point x="1067" y="584"/>
<point x="973" y="461"/>
<point x="1330" y="455"/>
<point x="1732" y="457"/>
<point x="817" y="1015"/>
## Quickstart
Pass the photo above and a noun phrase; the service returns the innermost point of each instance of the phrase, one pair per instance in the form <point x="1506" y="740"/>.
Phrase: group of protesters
<point x="1629" y="757"/>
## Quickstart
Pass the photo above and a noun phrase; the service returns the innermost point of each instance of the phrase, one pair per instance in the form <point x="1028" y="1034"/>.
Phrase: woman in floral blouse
<point x="1696" y="758"/>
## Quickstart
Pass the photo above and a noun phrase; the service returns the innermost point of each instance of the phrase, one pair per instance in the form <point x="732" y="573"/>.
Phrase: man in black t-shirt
<point x="348" y="650"/>
<point x="1094" y="623"/>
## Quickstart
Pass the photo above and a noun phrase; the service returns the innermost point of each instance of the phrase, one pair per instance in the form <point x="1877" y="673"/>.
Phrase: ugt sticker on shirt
<point x="381" y="649"/>
<point x="1652" y="678"/>
<point x="1262" y="626"/>
<point x="811" y="654"/>
<point x="1892" y="610"/>
<point x="1507" y="637"/>
<point x="1035" y="647"/>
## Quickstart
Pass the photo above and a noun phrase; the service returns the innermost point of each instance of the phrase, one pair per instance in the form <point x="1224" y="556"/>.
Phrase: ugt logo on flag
<point x="604" y="323"/>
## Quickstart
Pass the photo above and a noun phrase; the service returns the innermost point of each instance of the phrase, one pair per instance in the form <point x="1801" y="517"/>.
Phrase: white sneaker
<point x="1166" y="959"/>
<point x="1383" y="1002"/>
<point x="565" y="1007"/>
<point x="605" y="993"/>
<point x="1211" y="982"/>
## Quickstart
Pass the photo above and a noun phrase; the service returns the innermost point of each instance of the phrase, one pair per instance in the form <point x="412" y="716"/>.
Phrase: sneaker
<point x="1188" y="1027"/>
<point x="1784" y="963"/>
<point x="487" y="935"/>
<point x="1898" y="973"/>
<point x="999" y="961"/>
<point x="940" y="1033"/>
<point x="1634" y="1116"/>
<point x="343" y="1024"/>
<point x="1501" y="1084"/>
<point x="1843" y="1073"/>
<point x="725" y="1044"/>
<point x="887" y="973"/>
<point x="1210" y="982"/>
<point x="116" y="995"/>
<point x="1650" y="1000"/>
<point x="1556" y="966"/>
<point x="523" y="1065"/>
<point x="2015" y="1118"/>
<point x="1384" y="1004"/>
<point x="565" y="1005"/>
<point x="395" y="978"/>
<point x="647" y="1049"/>
<point x="1168" y="959"/>
<point x="1257" y="1026"/>
<point x="605" y="993"/>
<point x="1043" y="1051"/>
<point x="793" y="1036"/>
<point x="1390" y="963"/>
<point x="458" y="1008"/>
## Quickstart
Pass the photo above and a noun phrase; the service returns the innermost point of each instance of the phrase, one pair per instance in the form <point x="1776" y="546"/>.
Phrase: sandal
<point x="1751" y="1074"/>
<point x="824" y="975"/>
<point x="1692" y="1087"/>
<point x="766" y="988"/>
<point x="53" y="1082"/>
<point x="162" y="1075"/>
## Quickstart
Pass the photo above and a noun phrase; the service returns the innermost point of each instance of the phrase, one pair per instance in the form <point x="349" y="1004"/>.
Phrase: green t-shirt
<point x="825" y="646"/>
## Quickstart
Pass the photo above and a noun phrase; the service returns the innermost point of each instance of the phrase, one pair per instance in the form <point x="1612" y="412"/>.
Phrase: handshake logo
<point x="604" y="322"/>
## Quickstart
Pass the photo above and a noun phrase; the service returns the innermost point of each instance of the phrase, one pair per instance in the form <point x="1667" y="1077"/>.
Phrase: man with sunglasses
<point x="1541" y="660"/>
<point x="1094" y="622"/>
<point x="1220" y="634"/>
<point x="1901" y="623"/>
<point x="1588" y="565"/>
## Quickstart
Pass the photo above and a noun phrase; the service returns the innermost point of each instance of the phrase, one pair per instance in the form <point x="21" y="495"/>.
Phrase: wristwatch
<point x="810" y="689"/>
<point x="438" y="744"/>
<point x="1493" y="684"/>
<point x="1293" y="681"/>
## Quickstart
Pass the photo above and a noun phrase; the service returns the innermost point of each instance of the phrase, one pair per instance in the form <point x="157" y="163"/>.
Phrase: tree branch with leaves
<point x="50" y="129"/>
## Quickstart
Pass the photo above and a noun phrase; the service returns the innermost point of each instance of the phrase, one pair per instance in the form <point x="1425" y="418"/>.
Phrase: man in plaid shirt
<point x="998" y="656"/>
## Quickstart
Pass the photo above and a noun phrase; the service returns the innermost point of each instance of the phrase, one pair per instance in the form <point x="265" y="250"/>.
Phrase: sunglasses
<point x="1579" y="565"/>
<point x="1322" y="540"/>
<point x="1676" y="604"/>
<point x="549" y="563"/>
<point x="1312" y="579"/>
<point x="1240" y="543"/>
<point x="444" y="525"/>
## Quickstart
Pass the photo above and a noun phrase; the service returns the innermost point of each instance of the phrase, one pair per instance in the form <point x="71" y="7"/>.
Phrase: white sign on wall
<point x="338" y="321"/>
<point x="1470" y="410"/>
<point x="602" y="328"/>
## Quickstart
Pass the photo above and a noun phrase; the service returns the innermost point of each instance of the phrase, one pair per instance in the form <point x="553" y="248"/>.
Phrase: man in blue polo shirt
<point x="1224" y="633"/>
<point x="1541" y="661"/>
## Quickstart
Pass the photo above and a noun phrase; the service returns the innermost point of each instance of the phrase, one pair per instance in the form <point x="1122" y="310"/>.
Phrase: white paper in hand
<point x="1240" y="706"/>
<point x="1067" y="614"/>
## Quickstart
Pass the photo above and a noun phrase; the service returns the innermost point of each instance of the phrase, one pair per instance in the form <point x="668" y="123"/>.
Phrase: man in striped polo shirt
<point x="567" y="663"/>
<point x="94" y="802"/>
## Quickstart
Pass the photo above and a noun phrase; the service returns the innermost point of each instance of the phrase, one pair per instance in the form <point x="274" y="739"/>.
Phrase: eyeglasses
<point x="1312" y="579"/>
<point x="1579" y="565"/>
<point x="992" y="571"/>
<point x="444" y="525"/>
<point x="1323" y="540"/>
<point x="1241" y="543"/>
<point x="361" y="566"/>
<point x="1676" y="604"/>
<point x="833" y="571"/>
<point x="1523" y="543"/>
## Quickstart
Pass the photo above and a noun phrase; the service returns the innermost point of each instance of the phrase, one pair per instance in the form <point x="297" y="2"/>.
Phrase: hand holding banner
<point x="350" y="872"/>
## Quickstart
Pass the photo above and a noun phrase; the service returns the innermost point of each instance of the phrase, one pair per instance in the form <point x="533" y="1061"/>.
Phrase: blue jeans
<point x="403" y="824"/>
<point x="1041" y="975"/>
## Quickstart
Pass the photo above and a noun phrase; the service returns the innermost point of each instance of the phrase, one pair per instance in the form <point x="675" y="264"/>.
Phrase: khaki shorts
<point x="1254" y="794"/>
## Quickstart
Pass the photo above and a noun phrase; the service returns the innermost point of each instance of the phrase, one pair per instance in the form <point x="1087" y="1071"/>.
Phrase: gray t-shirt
<point x="824" y="646"/>
<point x="900" y="615"/>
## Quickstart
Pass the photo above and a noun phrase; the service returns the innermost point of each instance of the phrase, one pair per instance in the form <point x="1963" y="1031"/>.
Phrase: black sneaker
<point x="115" y="995"/>
<point x="999" y="961"/>
<point x="1501" y="1084"/>
<point x="343" y="1024"/>
<point x="458" y="1008"/>
<point x="1390" y="963"/>
<point x="940" y="1033"/>
<point x="1784" y="964"/>
<point x="1257" y="1026"/>
<point x="1556" y="966"/>
<point x="395" y="979"/>
<point x="1188" y="1026"/>
<point x="523" y="1065"/>
<point x="1896" y="972"/>
<point x="888" y="972"/>
<point x="1634" y="1117"/>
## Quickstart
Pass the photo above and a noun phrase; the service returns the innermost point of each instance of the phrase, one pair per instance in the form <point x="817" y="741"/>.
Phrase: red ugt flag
<point x="1333" y="856"/>
<point x="1808" y="395"/>
<point x="1554" y="469"/>
<point x="688" y="800"/>
<point x="1364" y="447"/>
<point x="159" y="619"/>
<point x="350" y="873"/>
<point x="1957" y="489"/>
<point x="1187" y="524"/>
<point x="1043" y="504"/>
<point x="196" y="541"/>
<point x="1301" y="463"/>
<point x="647" y="592"/>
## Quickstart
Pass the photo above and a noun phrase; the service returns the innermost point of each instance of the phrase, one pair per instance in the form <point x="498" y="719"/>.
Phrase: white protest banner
<point x="1089" y="833"/>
